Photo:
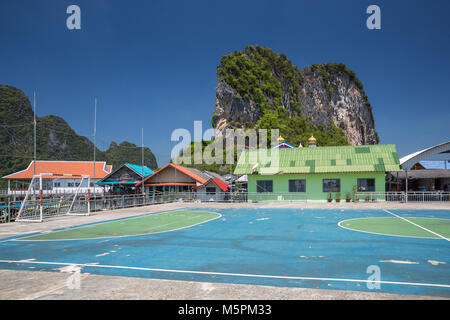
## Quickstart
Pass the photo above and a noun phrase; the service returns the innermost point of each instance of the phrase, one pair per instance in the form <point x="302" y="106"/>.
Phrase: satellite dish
<point x="255" y="166"/>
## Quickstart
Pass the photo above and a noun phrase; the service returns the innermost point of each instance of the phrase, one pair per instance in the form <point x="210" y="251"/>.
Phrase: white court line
<point x="227" y="274"/>
<point x="437" y="234"/>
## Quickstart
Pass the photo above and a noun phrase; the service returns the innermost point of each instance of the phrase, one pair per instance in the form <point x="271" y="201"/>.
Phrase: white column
<point x="406" y="186"/>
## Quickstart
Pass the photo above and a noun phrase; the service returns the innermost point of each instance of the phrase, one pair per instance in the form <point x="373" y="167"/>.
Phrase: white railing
<point x="59" y="191"/>
<point x="403" y="196"/>
<point x="428" y="196"/>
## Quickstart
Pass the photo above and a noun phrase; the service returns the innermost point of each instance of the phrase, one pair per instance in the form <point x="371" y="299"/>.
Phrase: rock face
<point x="256" y="82"/>
<point x="231" y="106"/>
<point x="343" y="102"/>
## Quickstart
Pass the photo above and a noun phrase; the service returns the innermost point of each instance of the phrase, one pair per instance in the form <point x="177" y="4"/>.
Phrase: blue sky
<point x="152" y="64"/>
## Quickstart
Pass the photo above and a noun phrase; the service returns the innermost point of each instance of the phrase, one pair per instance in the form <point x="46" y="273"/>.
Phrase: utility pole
<point x="95" y="130"/>
<point x="143" y="187"/>
<point x="34" y="143"/>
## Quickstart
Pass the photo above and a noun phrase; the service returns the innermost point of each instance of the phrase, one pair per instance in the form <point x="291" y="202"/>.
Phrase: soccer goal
<point x="41" y="203"/>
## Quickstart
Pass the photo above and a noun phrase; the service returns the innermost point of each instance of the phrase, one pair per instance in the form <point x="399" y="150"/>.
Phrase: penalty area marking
<point x="436" y="234"/>
<point x="25" y="238"/>
<point x="226" y="273"/>
<point x="340" y="224"/>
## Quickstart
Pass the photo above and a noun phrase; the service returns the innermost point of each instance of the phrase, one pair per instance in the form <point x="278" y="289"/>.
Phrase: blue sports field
<point x="308" y="248"/>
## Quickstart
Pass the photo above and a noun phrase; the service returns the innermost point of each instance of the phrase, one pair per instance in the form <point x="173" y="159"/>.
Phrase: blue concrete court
<point x="277" y="247"/>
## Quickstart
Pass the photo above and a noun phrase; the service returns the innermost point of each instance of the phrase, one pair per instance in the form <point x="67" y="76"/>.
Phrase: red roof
<point x="222" y="185"/>
<point x="65" y="169"/>
<point x="179" y="168"/>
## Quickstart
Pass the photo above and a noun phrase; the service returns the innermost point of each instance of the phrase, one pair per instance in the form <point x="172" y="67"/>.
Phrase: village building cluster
<point x="300" y="173"/>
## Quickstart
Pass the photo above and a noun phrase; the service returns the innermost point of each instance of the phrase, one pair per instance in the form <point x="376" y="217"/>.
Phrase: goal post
<point x="88" y="209"/>
<point x="31" y="210"/>
<point x="52" y="203"/>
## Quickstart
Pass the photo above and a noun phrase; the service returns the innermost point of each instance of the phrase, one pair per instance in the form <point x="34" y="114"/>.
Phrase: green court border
<point x="386" y="234"/>
<point x="219" y="215"/>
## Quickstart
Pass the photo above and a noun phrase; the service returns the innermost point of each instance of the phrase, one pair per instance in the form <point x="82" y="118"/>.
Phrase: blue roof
<point x="107" y="182"/>
<point x="116" y="182"/>
<point x="435" y="164"/>
<point x="138" y="169"/>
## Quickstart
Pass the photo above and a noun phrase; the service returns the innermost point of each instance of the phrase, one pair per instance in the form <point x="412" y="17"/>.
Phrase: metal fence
<point x="59" y="205"/>
<point x="50" y="192"/>
<point x="8" y="210"/>
<point x="402" y="196"/>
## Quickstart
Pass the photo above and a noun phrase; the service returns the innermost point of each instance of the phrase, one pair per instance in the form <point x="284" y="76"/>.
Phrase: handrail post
<point x="9" y="209"/>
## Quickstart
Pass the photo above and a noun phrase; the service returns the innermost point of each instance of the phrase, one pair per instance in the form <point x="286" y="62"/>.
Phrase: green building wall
<point x="314" y="186"/>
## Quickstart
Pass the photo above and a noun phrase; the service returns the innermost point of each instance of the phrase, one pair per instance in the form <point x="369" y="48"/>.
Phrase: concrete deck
<point x="40" y="285"/>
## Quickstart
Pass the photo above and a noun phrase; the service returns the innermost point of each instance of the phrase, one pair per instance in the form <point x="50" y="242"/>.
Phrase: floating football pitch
<point x="304" y="248"/>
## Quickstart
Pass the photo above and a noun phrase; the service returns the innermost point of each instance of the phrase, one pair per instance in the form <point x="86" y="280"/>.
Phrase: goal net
<point x="41" y="201"/>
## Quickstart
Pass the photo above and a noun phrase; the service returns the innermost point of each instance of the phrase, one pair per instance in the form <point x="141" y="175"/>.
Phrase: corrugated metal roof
<point x="372" y="158"/>
<point x="435" y="165"/>
<point x="424" y="174"/>
<point x="138" y="169"/>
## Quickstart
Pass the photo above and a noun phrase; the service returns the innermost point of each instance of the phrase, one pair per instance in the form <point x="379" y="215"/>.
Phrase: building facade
<point x="214" y="189"/>
<point x="184" y="183"/>
<point x="59" y="176"/>
<point x="123" y="179"/>
<point x="424" y="171"/>
<point x="316" y="173"/>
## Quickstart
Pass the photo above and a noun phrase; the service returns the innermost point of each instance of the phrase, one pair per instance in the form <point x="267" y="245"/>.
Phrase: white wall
<point x="63" y="186"/>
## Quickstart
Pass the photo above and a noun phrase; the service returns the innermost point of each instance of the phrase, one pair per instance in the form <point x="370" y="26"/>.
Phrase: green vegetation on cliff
<point x="269" y="80"/>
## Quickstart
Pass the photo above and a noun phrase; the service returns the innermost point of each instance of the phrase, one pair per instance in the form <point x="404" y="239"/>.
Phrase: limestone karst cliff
<point x="258" y="88"/>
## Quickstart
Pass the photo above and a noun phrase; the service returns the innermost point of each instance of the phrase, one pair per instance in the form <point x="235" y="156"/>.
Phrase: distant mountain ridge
<point x="56" y="140"/>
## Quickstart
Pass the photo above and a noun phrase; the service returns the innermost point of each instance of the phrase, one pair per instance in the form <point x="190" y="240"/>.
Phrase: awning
<point x="423" y="174"/>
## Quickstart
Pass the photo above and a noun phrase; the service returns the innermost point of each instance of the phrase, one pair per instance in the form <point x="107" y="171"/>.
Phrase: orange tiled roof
<point x="64" y="168"/>
<point x="179" y="168"/>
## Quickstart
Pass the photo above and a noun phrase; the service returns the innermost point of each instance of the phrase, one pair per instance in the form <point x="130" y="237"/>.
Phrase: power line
<point x="14" y="156"/>
<point x="16" y="125"/>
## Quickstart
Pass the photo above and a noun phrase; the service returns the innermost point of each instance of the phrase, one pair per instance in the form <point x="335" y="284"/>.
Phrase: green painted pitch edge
<point x="419" y="233"/>
<point x="209" y="216"/>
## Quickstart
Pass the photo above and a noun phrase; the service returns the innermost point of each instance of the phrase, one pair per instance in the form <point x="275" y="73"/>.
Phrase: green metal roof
<point x="370" y="158"/>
